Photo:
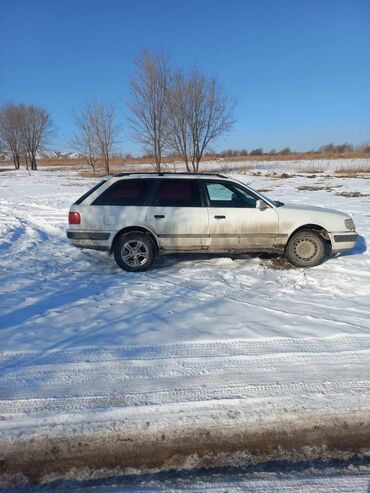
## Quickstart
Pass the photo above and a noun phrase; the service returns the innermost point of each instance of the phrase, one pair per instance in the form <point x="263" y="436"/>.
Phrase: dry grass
<point x="226" y="168"/>
<point x="309" y="168"/>
<point x="295" y="156"/>
<point x="353" y="170"/>
<point x="89" y="174"/>
<point x="236" y="164"/>
<point x="308" y="188"/>
<point x="352" y="194"/>
<point x="277" y="176"/>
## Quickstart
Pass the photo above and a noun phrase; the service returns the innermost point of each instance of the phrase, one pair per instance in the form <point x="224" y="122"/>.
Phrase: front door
<point x="178" y="216"/>
<point x="236" y="224"/>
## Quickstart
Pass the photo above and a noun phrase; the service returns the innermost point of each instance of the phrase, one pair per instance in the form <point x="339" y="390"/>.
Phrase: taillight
<point x="74" y="218"/>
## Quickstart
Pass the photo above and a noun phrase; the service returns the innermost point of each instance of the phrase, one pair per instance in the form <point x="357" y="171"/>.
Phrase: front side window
<point x="125" y="192"/>
<point x="227" y="195"/>
<point x="178" y="193"/>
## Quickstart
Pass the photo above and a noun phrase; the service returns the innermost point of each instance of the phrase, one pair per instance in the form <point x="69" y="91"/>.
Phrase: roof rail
<point x="169" y="173"/>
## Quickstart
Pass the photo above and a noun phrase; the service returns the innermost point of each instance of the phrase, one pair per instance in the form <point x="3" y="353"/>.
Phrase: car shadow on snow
<point x="358" y="249"/>
<point x="173" y="259"/>
<point x="144" y="324"/>
<point x="270" y="260"/>
<point x="59" y="298"/>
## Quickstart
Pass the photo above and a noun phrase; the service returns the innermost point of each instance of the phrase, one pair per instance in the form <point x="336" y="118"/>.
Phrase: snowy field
<point x="196" y="339"/>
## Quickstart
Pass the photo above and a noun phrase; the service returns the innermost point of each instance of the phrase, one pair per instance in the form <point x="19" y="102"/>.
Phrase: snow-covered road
<point x="84" y="344"/>
<point x="311" y="372"/>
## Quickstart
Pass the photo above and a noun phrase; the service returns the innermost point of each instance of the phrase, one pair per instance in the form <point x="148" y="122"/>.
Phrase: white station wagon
<point x="139" y="216"/>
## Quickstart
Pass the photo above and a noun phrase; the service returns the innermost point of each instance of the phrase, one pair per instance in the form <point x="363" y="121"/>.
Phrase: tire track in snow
<point x="273" y="309"/>
<point x="206" y="349"/>
<point x="258" y="396"/>
<point x="263" y="373"/>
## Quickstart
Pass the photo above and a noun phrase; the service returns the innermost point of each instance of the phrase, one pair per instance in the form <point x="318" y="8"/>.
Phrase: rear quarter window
<point x="125" y="193"/>
<point x="89" y="192"/>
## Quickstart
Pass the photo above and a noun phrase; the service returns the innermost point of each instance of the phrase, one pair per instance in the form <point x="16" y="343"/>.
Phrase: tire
<point x="134" y="252"/>
<point x="306" y="249"/>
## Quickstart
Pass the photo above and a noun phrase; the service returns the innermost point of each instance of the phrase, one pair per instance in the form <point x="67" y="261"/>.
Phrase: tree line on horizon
<point x="327" y="149"/>
<point x="324" y="150"/>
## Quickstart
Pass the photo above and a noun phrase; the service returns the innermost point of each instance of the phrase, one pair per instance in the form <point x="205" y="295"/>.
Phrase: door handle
<point x="159" y="216"/>
<point x="220" y="217"/>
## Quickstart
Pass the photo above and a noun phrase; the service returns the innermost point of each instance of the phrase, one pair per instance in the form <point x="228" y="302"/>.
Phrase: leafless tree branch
<point x="149" y="90"/>
<point x="97" y="132"/>
<point x="10" y="136"/>
<point x="35" y="129"/>
<point x="198" y="113"/>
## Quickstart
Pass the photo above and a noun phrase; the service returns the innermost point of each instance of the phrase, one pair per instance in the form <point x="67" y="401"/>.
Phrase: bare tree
<point x="210" y="114"/>
<point x="149" y="91"/>
<point x="84" y="140"/>
<point x="102" y="119"/>
<point x="10" y="136"/>
<point x="178" y="137"/>
<point x="199" y="113"/>
<point x="256" y="152"/>
<point x="34" y="128"/>
<point x="285" y="151"/>
<point x="97" y="132"/>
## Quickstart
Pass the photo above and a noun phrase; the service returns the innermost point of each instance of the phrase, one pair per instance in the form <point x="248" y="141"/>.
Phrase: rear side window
<point x="178" y="193"/>
<point x="125" y="192"/>
<point x="89" y="192"/>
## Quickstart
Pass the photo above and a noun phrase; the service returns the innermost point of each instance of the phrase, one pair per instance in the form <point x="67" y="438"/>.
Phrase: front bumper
<point x="343" y="240"/>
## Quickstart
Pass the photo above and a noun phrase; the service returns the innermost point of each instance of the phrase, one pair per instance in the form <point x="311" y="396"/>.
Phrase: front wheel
<point x="134" y="252"/>
<point x="306" y="249"/>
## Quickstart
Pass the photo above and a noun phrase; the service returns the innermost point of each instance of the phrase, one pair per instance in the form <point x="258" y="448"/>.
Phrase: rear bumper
<point x="72" y="235"/>
<point x="90" y="239"/>
<point x="343" y="240"/>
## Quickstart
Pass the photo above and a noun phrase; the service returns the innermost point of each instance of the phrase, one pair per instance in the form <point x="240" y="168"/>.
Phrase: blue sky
<point x="299" y="69"/>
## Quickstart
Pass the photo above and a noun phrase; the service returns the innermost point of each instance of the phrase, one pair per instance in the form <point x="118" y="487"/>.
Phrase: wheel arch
<point x="131" y="229"/>
<point x="316" y="228"/>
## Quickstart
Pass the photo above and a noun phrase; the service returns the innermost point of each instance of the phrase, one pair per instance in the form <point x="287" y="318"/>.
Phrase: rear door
<point x="235" y="222"/>
<point x="178" y="216"/>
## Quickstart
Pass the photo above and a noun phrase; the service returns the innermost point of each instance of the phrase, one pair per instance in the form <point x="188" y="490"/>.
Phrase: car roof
<point x="170" y="175"/>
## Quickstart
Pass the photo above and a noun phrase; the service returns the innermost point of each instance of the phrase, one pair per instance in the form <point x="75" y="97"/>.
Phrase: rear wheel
<point x="134" y="252"/>
<point x="306" y="249"/>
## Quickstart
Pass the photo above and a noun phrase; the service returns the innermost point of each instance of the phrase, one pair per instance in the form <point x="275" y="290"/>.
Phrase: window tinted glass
<point x="178" y="193"/>
<point x="222" y="195"/>
<point x="125" y="192"/>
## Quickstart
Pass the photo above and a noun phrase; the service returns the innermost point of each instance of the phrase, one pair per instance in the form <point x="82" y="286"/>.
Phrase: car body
<point x="201" y="213"/>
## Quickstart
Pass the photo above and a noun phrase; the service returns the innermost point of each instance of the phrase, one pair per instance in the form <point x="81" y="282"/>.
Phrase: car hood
<point x="313" y="208"/>
<point x="299" y="215"/>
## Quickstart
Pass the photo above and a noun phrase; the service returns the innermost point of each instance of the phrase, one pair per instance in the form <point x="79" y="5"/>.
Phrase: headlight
<point x="350" y="224"/>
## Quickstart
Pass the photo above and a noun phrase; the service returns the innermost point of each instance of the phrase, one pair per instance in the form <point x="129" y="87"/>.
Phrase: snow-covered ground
<point x="210" y="339"/>
<point x="218" y="482"/>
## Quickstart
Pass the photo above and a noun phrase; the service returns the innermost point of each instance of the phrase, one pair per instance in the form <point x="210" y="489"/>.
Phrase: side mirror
<point x="261" y="205"/>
